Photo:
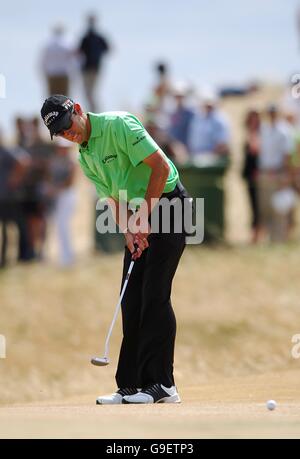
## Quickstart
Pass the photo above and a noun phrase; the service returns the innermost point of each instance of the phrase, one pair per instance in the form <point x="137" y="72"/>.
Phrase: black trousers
<point x="252" y="191"/>
<point x="149" y="324"/>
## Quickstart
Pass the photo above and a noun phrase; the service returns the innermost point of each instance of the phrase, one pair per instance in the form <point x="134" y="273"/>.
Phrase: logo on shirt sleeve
<point x="139" y="139"/>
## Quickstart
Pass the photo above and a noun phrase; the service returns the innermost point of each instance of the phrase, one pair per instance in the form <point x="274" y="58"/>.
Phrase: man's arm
<point x="222" y="149"/>
<point x="121" y="215"/>
<point x="158" y="178"/>
<point x="159" y="175"/>
<point x="222" y="137"/>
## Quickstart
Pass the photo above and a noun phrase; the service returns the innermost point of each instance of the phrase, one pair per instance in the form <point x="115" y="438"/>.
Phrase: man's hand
<point x="140" y="240"/>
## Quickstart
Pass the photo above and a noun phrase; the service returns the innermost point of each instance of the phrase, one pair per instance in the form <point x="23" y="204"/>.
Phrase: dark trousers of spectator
<point x="149" y="324"/>
<point x="90" y="78"/>
<point x="58" y="85"/>
<point x="252" y="192"/>
<point x="11" y="212"/>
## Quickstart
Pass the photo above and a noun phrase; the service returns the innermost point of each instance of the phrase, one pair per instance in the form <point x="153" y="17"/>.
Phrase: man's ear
<point x="78" y="109"/>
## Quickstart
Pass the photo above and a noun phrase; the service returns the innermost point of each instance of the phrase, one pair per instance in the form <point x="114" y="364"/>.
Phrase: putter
<point x="103" y="361"/>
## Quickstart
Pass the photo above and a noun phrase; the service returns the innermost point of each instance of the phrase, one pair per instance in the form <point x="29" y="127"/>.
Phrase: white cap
<point x="180" y="88"/>
<point x="208" y="96"/>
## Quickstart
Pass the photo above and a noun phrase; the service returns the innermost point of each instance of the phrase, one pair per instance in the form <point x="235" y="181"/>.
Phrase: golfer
<point x="117" y="153"/>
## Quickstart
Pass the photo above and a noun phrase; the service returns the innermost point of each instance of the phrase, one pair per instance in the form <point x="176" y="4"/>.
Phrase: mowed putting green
<point x="234" y="408"/>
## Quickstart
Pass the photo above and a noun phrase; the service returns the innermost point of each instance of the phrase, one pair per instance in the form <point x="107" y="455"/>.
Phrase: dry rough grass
<point x="237" y="311"/>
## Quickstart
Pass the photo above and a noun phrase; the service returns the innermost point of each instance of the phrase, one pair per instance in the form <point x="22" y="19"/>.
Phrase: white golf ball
<point x="271" y="405"/>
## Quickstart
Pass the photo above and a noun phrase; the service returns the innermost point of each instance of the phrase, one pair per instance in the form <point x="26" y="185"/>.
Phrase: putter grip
<point x="135" y="248"/>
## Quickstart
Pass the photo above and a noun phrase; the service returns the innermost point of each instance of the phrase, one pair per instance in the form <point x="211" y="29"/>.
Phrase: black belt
<point x="179" y="189"/>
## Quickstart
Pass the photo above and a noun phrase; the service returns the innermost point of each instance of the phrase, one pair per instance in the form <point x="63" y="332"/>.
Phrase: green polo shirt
<point x="113" y="157"/>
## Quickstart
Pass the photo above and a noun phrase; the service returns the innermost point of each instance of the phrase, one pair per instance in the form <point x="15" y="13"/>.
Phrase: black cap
<point x="56" y="113"/>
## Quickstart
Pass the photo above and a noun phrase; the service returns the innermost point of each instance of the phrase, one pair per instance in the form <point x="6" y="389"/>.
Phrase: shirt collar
<point x="96" y="129"/>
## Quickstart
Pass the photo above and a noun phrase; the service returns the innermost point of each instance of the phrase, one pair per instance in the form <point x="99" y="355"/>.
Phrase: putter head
<point x="100" y="361"/>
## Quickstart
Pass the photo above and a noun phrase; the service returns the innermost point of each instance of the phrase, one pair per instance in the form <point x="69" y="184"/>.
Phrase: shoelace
<point x="127" y="391"/>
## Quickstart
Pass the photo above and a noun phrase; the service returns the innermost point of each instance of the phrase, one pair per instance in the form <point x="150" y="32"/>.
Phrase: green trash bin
<point x="203" y="177"/>
<point x="107" y="242"/>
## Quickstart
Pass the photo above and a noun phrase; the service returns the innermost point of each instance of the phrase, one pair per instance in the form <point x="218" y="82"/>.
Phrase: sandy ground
<point x="234" y="408"/>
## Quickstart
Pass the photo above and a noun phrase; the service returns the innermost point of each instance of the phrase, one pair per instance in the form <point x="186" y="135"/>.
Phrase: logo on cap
<point x="50" y="117"/>
<point x="68" y="104"/>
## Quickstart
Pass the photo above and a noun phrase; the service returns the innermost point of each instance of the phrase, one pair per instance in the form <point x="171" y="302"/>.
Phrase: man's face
<point x="78" y="130"/>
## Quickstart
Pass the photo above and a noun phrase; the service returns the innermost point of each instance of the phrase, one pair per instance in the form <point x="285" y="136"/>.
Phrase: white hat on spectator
<point x="180" y="88"/>
<point x="208" y="96"/>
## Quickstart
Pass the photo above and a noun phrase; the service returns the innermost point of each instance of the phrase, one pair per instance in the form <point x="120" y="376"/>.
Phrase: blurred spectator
<point x="62" y="178"/>
<point x="158" y="107"/>
<point x="274" y="176"/>
<point x="291" y="118"/>
<point x="22" y="131"/>
<point x="172" y="148"/>
<point x="57" y="62"/>
<point x="13" y="165"/>
<point x="250" y="168"/>
<point x="209" y="130"/>
<point x="29" y="139"/>
<point x="92" y="49"/>
<point x="181" y="117"/>
<point x="37" y="202"/>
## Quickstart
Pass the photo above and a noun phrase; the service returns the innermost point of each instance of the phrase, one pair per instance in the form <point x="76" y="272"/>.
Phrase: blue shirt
<point x="207" y="131"/>
<point x="180" y="124"/>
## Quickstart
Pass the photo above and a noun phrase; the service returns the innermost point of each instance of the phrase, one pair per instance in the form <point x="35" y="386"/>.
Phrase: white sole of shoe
<point x="107" y="401"/>
<point x="171" y="399"/>
<point x="101" y="402"/>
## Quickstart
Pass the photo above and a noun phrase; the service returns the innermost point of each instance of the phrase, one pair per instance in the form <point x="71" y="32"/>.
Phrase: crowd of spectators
<point x="36" y="183"/>
<point x="271" y="170"/>
<point x="37" y="177"/>
<point x="191" y="127"/>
